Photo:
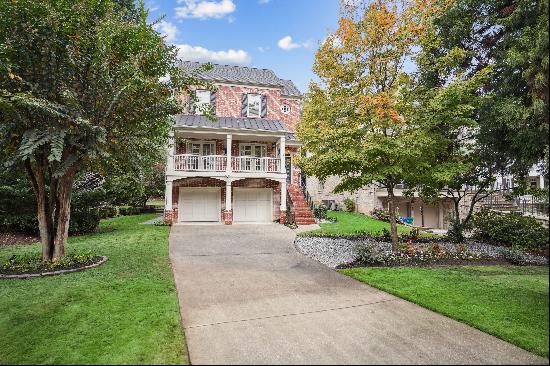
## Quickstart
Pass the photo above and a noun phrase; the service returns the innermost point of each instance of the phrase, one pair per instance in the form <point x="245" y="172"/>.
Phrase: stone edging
<point x="54" y="273"/>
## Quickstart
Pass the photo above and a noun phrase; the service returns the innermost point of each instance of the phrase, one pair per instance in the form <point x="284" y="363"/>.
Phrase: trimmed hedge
<point x="510" y="229"/>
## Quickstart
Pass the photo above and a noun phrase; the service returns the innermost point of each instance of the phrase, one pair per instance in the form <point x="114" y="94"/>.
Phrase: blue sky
<point x="281" y="35"/>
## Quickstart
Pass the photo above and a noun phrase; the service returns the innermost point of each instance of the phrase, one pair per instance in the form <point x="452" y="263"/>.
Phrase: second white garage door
<point x="252" y="205"/>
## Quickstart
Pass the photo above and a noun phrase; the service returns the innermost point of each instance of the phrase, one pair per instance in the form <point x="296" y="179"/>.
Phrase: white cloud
<point x="287" y="44"/>
<point x="263" y="2"/>
<point x="167" y="29"/>
<point x="263" y="49"/>
<point x="201" y="54"/>
<point x="205" y="9"/>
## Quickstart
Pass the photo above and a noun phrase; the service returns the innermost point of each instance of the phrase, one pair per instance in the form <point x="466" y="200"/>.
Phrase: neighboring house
<point x="427" y="215"/>
<point x="239" y="167"/>
<point x="430" y="215"/>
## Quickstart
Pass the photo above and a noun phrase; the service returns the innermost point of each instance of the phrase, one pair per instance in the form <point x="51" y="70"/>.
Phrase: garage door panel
<point x="199" y="205"/>
<point x="252" y="205"/>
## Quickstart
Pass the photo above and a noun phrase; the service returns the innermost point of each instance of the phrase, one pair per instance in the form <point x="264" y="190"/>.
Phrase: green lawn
<point x="350" y="223"/>
<point x="508" y="302"/>
<point x="123" y="312"/>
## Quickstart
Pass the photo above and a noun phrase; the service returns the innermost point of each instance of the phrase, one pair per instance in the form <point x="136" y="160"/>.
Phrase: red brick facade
<point x="229" y="103"/>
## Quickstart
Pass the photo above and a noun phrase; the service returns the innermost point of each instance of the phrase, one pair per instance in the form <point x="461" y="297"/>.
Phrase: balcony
<point x="218" y="163"/>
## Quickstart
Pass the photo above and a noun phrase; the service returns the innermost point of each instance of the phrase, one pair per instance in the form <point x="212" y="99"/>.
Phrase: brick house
<point x="240" y="167"/>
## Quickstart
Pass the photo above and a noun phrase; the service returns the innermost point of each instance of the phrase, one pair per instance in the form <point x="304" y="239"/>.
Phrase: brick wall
<point x="229" y="103"/>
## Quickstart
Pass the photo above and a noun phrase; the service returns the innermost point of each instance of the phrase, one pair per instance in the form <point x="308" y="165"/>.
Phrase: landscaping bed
<point x="344" y="252"/>
<point x="28" y="265"/>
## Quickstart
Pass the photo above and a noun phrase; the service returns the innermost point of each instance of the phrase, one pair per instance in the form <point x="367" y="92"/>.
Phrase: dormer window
<point x="254" y="106"/>
<point x="203" y="101"/>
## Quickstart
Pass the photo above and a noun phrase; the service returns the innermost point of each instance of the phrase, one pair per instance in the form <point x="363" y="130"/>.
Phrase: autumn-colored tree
<point x="356" y="121"/>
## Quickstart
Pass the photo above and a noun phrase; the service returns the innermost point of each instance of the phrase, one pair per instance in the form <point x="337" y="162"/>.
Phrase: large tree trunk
<point x="393" y="220"/>
<point x="64" y="195"/>
<point x="53" y="207"/>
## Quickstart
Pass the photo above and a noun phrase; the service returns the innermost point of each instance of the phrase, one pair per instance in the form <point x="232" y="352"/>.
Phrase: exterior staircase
<point x="302" y="213"/>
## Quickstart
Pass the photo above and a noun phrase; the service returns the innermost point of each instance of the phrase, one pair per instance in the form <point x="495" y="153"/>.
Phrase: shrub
<point x="509" y="230"/>
<point x="18" y="210"/>
<point x="108" y="211"/>
<point x="367" y="253"/>
<point x="383" y="215"/>
<point x="349" y="205"/>
<point x="85" y="210"/>
<point x="320" y="211"/>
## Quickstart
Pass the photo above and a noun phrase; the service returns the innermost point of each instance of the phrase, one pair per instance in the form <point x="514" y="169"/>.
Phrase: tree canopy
<point x="80" y="87"/>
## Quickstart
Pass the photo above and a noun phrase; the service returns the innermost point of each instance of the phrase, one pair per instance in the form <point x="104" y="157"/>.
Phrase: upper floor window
<point x="285" y="108"/>
<point x="254" y="105"/>
<point x="203" y="101"/>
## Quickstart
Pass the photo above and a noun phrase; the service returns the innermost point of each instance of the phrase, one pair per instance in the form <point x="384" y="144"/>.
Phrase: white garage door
<point x="199" y="204"/>
<point x="252" y="205"/>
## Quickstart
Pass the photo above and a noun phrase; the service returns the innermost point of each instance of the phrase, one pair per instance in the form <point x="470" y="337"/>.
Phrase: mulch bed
<point x="440" y="263"/>
<point x="45" y="271"/>
<point x="12" y="239"/>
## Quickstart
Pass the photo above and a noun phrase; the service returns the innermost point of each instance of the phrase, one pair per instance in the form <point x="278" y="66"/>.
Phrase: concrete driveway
<point x="247" y="297"/>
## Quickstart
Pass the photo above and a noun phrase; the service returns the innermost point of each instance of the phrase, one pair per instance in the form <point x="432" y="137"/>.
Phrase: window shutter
<point x="213" y="95"/>
<point x="244" y="107"/>
<point x="263" y="114"/>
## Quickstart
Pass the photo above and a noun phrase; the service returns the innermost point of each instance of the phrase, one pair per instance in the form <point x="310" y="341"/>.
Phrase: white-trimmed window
<point x="203" y="101"/>
<point x="254" y="106"/>
<point x="285" y="108"/>
<point x="253" y="150"/>
<point x="201" y="148"/>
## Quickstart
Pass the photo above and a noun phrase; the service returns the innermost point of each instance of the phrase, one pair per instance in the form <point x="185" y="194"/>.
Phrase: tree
<point x="356" y="122"/>
<point x="478" y="55"/>
<point x="511" y="36"/>
<point x="80" y="89"/>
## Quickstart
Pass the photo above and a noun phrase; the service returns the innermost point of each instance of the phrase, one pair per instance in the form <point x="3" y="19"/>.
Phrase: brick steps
<point x="302" y="212"/>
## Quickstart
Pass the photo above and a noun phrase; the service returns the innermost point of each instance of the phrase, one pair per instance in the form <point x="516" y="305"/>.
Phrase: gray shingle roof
<point x="257" y="124"/>
<point x="243" y="75"/>
<point x="289" y="89"/>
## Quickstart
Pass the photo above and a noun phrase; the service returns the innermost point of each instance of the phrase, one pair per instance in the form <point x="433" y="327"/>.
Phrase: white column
<point x="541" y="184"/>
<point x="229" y="145"/>
<point x="283" y="195"/>
<point x="282" y="157"/>
<point x="171" y="149"/>
<point x="168" y="196"/>
<point x="228" y="195"/>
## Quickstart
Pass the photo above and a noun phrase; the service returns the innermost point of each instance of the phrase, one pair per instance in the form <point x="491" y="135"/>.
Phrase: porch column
<point x="229" y="144"/>
<point x="228" y="213"/>
<point x="283" y="202"/>
<point x="541" y="182"/>
<point x="169" y="215"/>
<point x="171" y="150"/>
<point x="282" y="156"/>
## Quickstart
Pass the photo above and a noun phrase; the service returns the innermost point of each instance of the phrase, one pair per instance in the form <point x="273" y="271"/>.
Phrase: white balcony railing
<point x="206" y="163"/>
<point x="252" y="164"/>
<point x="218" y="163"/>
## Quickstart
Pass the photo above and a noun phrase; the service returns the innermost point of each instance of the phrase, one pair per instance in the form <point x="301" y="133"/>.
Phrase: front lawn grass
<point x="122" y="312"/>
<point x="353" y="224"/>
<point x="508" y="302"/>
